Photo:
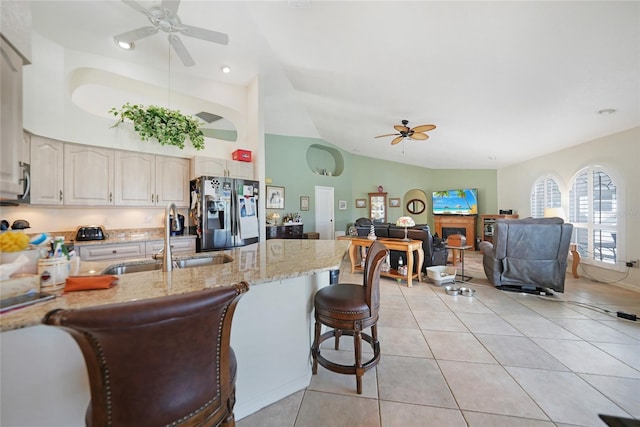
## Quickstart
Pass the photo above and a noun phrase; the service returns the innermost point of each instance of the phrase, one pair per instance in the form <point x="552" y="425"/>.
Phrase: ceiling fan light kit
<point x="165" y="18"/>
<point x="417" y="133"/>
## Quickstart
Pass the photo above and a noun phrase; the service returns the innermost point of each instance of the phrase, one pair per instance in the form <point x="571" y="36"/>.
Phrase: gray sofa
<point x="434" y="251"/>
<point x="528" y="254"/>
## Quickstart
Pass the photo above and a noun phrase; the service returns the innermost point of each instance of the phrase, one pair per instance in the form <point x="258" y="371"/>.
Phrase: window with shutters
<point x="545" y="194"/>
<point x="593" y="210"/>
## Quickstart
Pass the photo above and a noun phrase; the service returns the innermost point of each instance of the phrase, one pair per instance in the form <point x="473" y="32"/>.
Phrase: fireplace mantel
<point x="466" y="222"/>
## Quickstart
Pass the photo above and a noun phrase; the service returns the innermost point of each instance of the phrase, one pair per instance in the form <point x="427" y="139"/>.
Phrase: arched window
<point x="593" y="210"/>
<point x="545" y="194"/>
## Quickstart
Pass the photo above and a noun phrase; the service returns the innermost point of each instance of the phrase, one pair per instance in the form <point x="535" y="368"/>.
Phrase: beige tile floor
<point x="495" y="359"/>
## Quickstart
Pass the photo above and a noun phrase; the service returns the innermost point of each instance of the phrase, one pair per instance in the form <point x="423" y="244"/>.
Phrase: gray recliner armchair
<point x="528" y="254"/>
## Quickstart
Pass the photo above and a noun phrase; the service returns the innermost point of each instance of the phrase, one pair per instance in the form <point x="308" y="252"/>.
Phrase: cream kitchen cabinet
<point x="47" y="168"/>
<point x="236" y="169"/>
<point x="105" y="252"/>
<point x="148" y="180"/>
<point x="178" y="246"/>
<point x="135" y="178"/>
<point x="88" y="175"/>
<point x="11" y="138"/>
<point x="211" y="166"/>
<point x="172" y="181"/>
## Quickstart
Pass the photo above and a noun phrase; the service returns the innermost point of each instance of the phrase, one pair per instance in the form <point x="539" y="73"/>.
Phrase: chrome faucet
<point x="167" y="261"/>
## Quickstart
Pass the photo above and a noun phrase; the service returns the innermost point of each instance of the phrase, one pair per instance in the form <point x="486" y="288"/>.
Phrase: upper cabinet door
<point x="208" y="166"/>
<point x="239" y="169"/>
<point x="135" y="183"/>
<point x="88" y="175"/>
<point x="10" y="121"/>
<point x="172" y="181"/>
<point x="378" y="207"/>
<point x="47" y="171"/>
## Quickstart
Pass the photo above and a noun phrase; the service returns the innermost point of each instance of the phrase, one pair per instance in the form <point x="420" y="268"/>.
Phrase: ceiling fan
<point x="413" y="133"/>
<point x="165" y="17"/>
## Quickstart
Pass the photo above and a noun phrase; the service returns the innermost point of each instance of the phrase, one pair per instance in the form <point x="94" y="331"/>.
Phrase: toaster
<point x="90" y="232"/>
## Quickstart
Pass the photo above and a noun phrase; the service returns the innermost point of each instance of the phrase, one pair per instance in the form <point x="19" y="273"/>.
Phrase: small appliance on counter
<point x="90" y="232"/>
<point x="180" y="231"/>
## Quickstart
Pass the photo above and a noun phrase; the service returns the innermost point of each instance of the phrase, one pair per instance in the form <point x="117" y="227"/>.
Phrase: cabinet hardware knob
<point x="110" y="196"/>
<point x="114" y="251"/>
<point x="152" y="201"/>
<point x="60" y="195"/>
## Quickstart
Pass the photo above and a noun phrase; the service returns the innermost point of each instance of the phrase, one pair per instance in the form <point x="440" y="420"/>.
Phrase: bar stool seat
<point x="348" y="309"/>
<point x="159" y="361"/>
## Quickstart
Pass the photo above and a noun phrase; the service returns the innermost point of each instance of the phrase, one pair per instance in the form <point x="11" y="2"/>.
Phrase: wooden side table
<point x="392" y="244"/>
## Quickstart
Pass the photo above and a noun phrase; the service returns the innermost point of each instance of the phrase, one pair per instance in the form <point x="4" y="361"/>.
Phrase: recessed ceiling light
<point x="606" y="111"/>
<point x="226" y="69"/>
<point x="124" y="44"/>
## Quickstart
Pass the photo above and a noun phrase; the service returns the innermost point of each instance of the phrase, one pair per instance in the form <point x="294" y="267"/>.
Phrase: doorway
<point x="324" y="212"/>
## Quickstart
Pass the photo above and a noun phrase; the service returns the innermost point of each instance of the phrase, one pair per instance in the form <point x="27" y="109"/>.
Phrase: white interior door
<point x="324" y="212"/>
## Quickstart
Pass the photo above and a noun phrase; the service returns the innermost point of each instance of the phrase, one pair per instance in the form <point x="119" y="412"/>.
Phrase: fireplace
<point x="448" y="231"/>
<point x="446" y="225"/>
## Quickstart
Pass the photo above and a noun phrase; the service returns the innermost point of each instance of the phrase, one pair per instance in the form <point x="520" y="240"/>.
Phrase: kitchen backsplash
<point x="54" y="220"/>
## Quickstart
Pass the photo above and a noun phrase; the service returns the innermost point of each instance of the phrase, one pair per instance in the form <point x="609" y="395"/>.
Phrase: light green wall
<point x="286" y="166"/>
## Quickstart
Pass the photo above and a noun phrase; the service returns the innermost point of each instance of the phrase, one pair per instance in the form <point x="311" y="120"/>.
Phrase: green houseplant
<point x="169" y="127"/>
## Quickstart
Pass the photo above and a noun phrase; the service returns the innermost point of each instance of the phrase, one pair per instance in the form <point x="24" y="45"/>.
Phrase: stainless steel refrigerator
<point x="224" y="212"/>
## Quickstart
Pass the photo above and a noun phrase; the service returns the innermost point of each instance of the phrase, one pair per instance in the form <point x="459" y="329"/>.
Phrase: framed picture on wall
<point x="304" y="203"/>
<point x="342" y="205"/>
<point x="275" y="197"/>
<point x="361" y="203"/>
<point x="394" y="202"/>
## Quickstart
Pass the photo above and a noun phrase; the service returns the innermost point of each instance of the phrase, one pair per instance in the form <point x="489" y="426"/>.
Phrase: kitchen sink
<point x="136" y="267"/>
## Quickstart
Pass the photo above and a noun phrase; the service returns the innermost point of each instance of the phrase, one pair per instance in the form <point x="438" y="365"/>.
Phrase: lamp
<point x="274" y="218"/>
<point x="405" y="221"/>
<point x="554" y="213"/>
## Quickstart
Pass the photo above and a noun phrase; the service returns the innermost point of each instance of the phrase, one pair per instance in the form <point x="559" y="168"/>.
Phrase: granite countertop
<point x="263" y="262"/>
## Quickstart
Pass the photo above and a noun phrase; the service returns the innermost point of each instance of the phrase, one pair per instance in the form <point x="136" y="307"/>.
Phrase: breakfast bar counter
<point x="42" y="367"/>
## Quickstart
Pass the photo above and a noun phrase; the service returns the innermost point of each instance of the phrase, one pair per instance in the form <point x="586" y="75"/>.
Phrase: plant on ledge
<point x="169" y="127"/>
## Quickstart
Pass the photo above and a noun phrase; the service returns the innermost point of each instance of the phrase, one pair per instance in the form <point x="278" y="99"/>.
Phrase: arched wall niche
<point x="324" y="160"/>
<point x="413" y="196"/>
<point x="97" y="91"/>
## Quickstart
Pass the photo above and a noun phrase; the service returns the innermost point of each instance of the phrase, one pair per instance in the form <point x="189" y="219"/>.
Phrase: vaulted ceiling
<point x="502" y="81"/>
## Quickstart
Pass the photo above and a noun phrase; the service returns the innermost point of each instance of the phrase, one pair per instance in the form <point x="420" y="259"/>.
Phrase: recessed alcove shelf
<point x="324" y="160"/>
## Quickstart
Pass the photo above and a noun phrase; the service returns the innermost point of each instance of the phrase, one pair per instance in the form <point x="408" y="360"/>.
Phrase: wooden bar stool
<point x="349" y="309"/>
<point x="160" y="361"/>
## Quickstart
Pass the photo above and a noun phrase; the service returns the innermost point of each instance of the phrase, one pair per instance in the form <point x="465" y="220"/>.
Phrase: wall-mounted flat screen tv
<point x="462" y="201"/>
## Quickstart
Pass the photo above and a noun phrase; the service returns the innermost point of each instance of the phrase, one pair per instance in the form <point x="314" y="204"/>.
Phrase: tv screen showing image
<point x="455" y="202"/>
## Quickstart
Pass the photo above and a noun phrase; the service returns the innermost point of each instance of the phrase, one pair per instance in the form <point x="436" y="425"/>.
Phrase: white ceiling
<point x="502" y="81"/>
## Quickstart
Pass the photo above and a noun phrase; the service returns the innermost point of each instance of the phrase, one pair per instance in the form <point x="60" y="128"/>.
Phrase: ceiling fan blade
<point x="396" y="140"/>
<point x="424" y="128"/>
<point x="140" y="33"/>
<point x="418" y="135"/>
<point x="181" y="50"/>
<point x="172" y="5"/>
<point x="135" y="5"/>
<point x="389" y="134"/>
<point x="401" y="128"/>
<point x="204" y="34"/>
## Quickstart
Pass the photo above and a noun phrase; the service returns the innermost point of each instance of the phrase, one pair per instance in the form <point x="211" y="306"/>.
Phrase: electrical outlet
<point x="633" y="263"/>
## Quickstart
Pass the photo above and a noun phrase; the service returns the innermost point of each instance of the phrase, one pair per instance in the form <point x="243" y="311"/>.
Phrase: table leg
<point x="462" y="262"/>
<point x="409" y="268"/>
<point x="576" y="260"/>
<point x="420" y="262"/>
<point x="352" y="256"/>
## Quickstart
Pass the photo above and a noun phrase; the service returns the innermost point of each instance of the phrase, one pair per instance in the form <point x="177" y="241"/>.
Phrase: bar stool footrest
<point x="347" y="369"/>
